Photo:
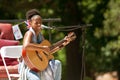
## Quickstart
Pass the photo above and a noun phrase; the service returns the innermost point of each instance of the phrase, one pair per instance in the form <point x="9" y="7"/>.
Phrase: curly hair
<point x="31" y="13"/>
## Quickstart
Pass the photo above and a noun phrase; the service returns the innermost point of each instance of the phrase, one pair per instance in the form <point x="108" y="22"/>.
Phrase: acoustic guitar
<point x="38" y="60"/>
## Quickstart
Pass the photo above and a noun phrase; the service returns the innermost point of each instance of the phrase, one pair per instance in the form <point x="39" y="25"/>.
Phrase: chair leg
<point x="6" y="68"/>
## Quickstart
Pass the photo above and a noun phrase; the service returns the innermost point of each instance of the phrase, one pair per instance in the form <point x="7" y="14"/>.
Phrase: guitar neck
<point x="57" y="46"/>
<point x="60" y="44"/>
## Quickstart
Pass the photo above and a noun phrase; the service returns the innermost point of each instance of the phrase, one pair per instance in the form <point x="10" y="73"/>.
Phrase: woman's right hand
<point x="46" y="49"/>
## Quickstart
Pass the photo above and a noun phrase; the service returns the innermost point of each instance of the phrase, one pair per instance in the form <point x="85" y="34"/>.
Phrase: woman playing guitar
<point x="31" y="41"/>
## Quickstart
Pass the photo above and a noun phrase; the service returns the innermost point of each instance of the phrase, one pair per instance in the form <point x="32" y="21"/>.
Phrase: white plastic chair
<point x="10" y="52"/>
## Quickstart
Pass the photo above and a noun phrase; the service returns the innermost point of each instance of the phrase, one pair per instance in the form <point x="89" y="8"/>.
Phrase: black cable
<point x="71" y="28"/>
<point x="67" y="29"/>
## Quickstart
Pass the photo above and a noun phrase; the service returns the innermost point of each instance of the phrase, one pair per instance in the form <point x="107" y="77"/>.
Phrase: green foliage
<point x="103" y="38"/>
<point x="111" y="32"/>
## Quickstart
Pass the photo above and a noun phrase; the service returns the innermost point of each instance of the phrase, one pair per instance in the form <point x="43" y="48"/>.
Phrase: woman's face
<point x="36" y="22"/>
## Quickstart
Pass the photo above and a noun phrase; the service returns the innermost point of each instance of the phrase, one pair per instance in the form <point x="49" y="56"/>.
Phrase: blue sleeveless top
<point x="36" y="39"/>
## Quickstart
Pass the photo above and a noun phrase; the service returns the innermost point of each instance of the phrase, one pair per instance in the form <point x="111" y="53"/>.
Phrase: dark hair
<point x="31" y="13"/>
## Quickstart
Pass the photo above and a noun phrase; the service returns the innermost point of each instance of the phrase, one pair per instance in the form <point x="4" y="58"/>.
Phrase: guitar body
<point x="37" y="60"/>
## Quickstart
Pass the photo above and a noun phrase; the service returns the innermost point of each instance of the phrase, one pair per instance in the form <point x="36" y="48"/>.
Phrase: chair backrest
<point x="6" y="31"/>
<point x="7" y="39"/>
<point x="11" y="51"/>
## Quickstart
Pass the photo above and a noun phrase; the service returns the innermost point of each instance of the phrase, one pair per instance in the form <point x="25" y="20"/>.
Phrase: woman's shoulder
<point x="28" y="33"/>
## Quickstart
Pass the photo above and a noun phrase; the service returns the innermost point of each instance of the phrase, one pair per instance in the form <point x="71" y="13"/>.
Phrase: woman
<point x="32" y="39"/>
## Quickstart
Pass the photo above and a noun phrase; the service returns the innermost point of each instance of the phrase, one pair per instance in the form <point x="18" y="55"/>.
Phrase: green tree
<point x="102" y="42"/>
<point x="110" y="30"/>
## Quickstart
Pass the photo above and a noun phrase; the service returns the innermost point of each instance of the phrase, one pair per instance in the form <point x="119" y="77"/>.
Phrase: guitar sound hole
<point x="45" y="53"/>
<point x="39" y="55"/>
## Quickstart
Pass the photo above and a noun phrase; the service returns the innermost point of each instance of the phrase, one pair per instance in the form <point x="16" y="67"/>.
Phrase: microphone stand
<point x="49" y="31"/>
<point x="83" y="55"/>
<point x="83" y="27"/>
<point x="70" y="28"/>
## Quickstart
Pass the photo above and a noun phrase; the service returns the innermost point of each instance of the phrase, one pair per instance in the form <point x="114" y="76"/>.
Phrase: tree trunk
<point x="74" y="56"/>
<point x="73" y="50"/>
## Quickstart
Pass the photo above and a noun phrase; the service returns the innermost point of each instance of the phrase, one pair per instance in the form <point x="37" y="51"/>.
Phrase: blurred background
<point x="92" y="55"/>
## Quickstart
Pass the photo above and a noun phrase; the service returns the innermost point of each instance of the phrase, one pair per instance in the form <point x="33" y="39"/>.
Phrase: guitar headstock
<point x="70" y="37"/>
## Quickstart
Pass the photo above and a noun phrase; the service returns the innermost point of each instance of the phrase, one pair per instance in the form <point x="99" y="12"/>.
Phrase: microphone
<point x="46" y="27"/>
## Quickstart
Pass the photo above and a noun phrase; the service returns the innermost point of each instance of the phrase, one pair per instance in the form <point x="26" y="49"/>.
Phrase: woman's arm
<point x="28" y="44"/>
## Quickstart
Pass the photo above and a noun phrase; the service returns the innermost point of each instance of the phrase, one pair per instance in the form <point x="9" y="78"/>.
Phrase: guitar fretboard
<point x="55" y="47"/>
